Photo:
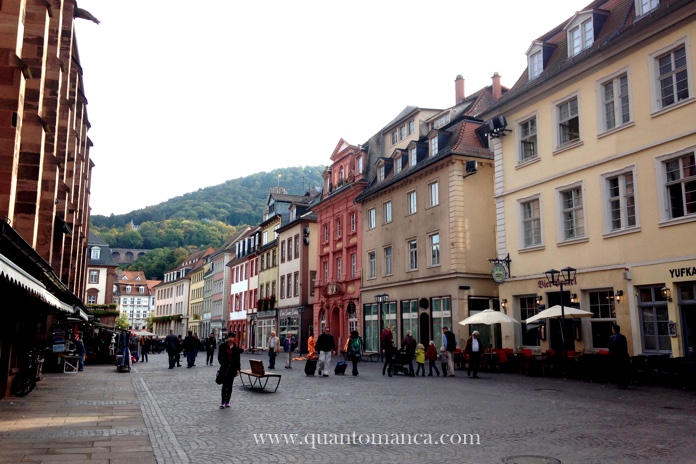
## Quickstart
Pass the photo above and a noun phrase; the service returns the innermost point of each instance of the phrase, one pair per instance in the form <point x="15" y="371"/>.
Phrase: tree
<point x="122" y="322"/>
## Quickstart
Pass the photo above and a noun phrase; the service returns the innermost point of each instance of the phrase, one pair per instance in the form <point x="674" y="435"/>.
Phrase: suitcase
<point x="340" y="368"/>
<point x="310" y="367"/>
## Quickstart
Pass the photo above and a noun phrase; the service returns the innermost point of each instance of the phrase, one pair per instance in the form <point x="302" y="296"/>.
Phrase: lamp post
<point x="252" y="338"/>
<point x="381" y="298"/>
<point x="559" y="278"/>
<point x="300" y="311"/>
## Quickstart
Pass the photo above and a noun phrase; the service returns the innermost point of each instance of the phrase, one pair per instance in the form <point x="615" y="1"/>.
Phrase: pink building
<point x="337" y="302"/>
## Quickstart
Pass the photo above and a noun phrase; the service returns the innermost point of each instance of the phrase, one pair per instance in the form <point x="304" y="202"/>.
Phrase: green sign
<point x="498" y="273"/>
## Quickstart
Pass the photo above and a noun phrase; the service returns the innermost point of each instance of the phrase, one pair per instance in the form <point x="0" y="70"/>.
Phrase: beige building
<point x="196" y="293"/>
<point x="594" y="170"/>
<point x="425" y="239"/>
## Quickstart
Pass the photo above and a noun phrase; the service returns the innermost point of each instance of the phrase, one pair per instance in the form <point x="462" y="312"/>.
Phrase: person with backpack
<point x="355" y="349"/>
<point x="289" y="346"/>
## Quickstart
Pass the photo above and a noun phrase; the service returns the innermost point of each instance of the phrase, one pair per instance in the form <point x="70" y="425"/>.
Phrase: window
<point x="93" y="277"/>
<point x="529" y="308"/>
<point x="580" y="37"/>
<point x="326" y="233"/>
<point x="388" y="261"/>
<point x="397" y="164"/>
<point x="265" y="237"/>
<point x="672" y="77"/>
<point x="341" y="174"/>
<point x="312" y="282"/>
<point x="434" y="189"/>
<point x="412" y="246"/>
<point x="326" y="270"/>
<point x="92" y="299"/>
<point x="411" y="198"/>
<point x="338" y="228"/>
<point x="433" y="146"/>
<point x="387" y="212"/>
<point x="296" y="284"/>
<point x="411" y="126"/>
<point x="353" y="265"/>
<point x="568" y="123"/>
<point x="616" y="110"/>
<point x="654" y="319"/>
<point x="646" y="6"/>
<point x="572" y="214"/>
<point x="409" y="317"/>
<point x="413" y="157"/>
<point x="282" y="251"/>
<point x="680" y="185"/>
<point x="371" y="219"/>
<point x="141" y="289"/>
<point x="275" y="258"/>
<point x="339" y="268"/>
<point x="435" y="250"/>
<point x="96" y="253"/>
<point x="128" y="288"/>
<point x="620" y="203"/>
<point x="603" y="316"/>
<point x="394" y="137"/>
<point x="531" y="223"/>
<point x="528" y="140"/>
<point x="297" y="246"/>
<point x="402" y="132"/>
<point x="371" y="265"/>
<point x="381" y="172"/>
<point x="535" y="65"/>
<point x="360" y="165"/>
<point x="353" y="222"/>
<point x="282" y="287"/>
<point x="289" y="292"/>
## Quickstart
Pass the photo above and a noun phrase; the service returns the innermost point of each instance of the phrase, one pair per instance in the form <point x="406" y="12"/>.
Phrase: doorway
<point x="554" y="326"/>
<point x="689" y="332"/>
<point x="424" y="329"/>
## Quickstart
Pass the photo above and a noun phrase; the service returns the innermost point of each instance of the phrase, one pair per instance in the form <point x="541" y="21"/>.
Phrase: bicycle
<point x="25" y="380"/>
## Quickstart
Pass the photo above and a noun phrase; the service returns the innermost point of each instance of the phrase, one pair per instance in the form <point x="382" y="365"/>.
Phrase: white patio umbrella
<point x="488" y="317"/>
<point x="554" y="312"/>
<point x="142" y="333"/>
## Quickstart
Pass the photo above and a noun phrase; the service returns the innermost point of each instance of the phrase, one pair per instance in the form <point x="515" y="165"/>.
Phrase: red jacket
<point x="431" y="353"/>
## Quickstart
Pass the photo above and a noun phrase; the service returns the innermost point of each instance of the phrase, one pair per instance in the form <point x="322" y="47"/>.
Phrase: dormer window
<point x="341" y="174"/>
<point x="381" y="173"/>
<point x="433" y="146"/>
<point x="397" y="164"/>
<point x="441" y="121"/>
<point x="580" y="34"/>
<point x="413" y="157"/>
<point x="535" y="64"/>
<point x="96" y="252"/>
<point x="128" y="288"/>
<point x="360" y="165"/>
<point x="645" y="6"/>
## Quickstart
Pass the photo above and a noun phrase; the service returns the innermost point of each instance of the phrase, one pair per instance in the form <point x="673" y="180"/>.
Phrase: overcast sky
<point x="186" y="95"/>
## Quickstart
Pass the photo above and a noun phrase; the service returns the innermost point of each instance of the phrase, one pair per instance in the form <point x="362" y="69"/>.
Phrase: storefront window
<point x="371" y="327"/>
<point x="264" y="327"/>
<point x="529" y="308"/>
<point x="654" y="319"/>
<point x="603" y="317"/>
<point x="288" y="323"/>
<point x="409" y="319"/>
<point x="442" y="317"/>
<point x="390" y="319"/>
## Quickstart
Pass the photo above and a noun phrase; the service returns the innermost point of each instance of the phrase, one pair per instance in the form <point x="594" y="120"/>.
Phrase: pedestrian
<point x="81" y="352"/>
<point x="144" y="348"/>
<point x="410" y="344"/>
<point x="355" y="349"/>
<point x="326" y="345"/>
<point x="197" y="346"/>
<point x="190" y="345"/>
<point x="449" y="343"/>
<point x="273" y="349"/>
<point x="311" y="346"/>
<point x="442" y="357"/>
<point x="386" y="339"/>
<point x="390" y="353"/>
<point x="431" y="356"/>
<point x="618" y="349"/>
<point x="179" y="349"/>
<point x="474" y="349"/>
<point x="228" y="357"/>
<point x="289" y="346"/>
<point x="420" y="359"/>
<point x="210" y="344"/>
<point x="172" y="345"/>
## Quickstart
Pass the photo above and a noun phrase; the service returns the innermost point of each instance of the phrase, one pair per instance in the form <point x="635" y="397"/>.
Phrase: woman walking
<point x="228" y="357"/>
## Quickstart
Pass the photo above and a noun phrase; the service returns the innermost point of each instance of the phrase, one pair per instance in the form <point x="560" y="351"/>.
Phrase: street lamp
<point x="381" y="298"/>
<point x="559" y="278"/>
<point x="252" y="339"/>
<point x="300" y="311"/>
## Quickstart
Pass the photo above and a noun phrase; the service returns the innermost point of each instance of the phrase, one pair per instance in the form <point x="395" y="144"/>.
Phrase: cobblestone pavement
<point x="154" y="414"/>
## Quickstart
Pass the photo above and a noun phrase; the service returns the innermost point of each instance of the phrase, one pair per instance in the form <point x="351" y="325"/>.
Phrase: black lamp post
<point x="252" y="338"/>
<point x="381" y="298"/>
<point x="300" y="311"/>
<point x="559" y="278"/>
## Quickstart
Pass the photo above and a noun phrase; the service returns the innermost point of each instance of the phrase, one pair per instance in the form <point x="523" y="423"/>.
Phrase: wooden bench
<point x="257" y="377"/>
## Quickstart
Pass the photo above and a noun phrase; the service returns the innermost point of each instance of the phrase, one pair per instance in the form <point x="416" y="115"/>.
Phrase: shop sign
<point x="683" y="272"/>
<point x="498" y="273"/>
<point x="546" y="284"/>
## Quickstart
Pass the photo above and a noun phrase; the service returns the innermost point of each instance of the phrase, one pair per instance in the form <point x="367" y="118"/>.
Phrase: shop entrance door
<point x="424" y="330"/>
<point x="554" y="325"/>
<point x="689" y="333"/>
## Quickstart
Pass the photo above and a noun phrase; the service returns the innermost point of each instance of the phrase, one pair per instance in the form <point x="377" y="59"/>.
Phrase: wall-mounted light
<point x="573" y="297"/>
<point x="617" y="295"/>
<point x="503" y="303"/>
<point x="539" y="299"/>
<point x="667" y="293"/>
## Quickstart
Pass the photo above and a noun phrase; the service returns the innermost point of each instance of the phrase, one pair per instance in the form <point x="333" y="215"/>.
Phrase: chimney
<point x="458" y="90"/>
<point x="497" y="89"/>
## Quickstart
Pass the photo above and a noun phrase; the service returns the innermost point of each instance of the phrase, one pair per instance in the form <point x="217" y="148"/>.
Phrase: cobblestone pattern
<point x="572" y="421"/>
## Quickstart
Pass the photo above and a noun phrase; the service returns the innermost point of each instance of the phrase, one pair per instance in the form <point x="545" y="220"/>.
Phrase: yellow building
<point x="594" y="162"/>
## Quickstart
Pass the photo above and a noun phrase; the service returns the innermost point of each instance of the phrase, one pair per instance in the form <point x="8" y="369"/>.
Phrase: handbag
<point x="220" y="376"/>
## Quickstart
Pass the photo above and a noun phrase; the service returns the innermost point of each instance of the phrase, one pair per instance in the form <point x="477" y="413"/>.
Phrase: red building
<point x="337" y="304"/>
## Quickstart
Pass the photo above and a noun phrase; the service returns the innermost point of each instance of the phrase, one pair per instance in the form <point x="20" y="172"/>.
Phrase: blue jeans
<point x="190" y="358"/>
<point x="271" y="358"/>
<point x="81" y="363"/>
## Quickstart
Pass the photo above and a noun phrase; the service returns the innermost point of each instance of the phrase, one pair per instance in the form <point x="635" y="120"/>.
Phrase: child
<point x="443" y="360"/>
<point x="420" y="359"/>
<point x="431" y="356"/>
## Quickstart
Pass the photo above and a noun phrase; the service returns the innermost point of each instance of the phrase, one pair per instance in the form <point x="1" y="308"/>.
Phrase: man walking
<point x="190" y="345"/>
<point x="326" y="345"/>
<point x="410" y="344"/>
<point x="474" y="349"/>
<point x="144" y="348"/>
<point x="289" y="345"/>
<point x="449" y="342"/>
<point x="273" y="349"/>
<point x="618" y="348"/>
<point x="210" y="345"/>
<point x="171" y="343"/>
